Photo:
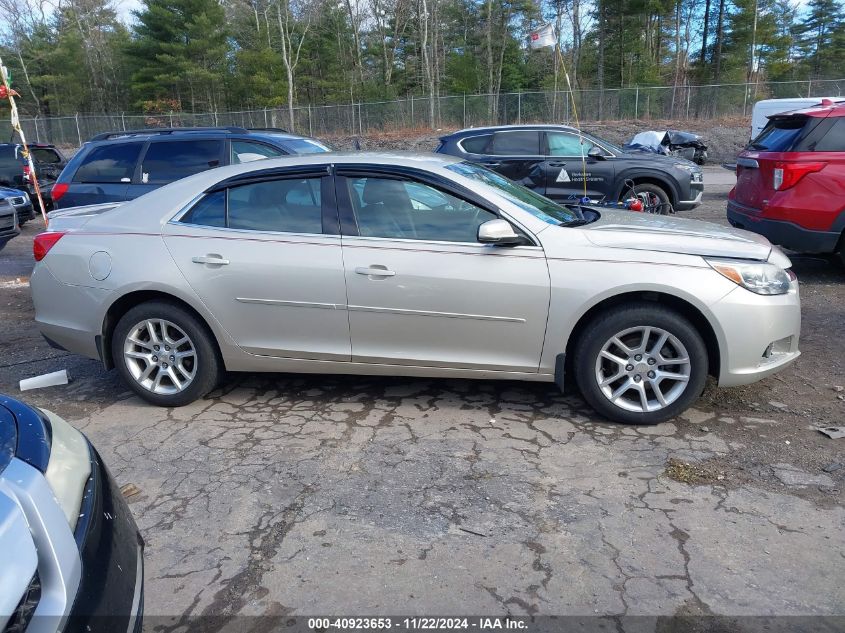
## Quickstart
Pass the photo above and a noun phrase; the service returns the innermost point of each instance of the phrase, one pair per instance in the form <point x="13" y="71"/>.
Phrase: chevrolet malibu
<point x="411" y="265"/>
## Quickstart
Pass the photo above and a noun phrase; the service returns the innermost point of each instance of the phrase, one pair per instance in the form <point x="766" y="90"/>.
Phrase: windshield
<point x="305" y="146"/>
<point x="605" y="143"/>
<point x="535" y="204"/>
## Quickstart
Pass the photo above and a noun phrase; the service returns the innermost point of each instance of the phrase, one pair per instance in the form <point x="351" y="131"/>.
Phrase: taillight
<point x="26" y="173"/>
<point x="786" y="175"/>
<point x="59" y="189"/>
<point x="44" y="242"/>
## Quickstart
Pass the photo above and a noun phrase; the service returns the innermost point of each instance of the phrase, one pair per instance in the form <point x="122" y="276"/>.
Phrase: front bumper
<point x="781" y="232"/>
<point x="9" y="226"/>
<point x="696" y="192"/>
<point x="110" y="595"/>
<point x="26" y="212"/>
<point x="760" y="334"/>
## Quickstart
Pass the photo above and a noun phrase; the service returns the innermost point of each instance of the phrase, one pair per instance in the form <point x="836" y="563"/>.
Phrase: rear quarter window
<point x="476" y="144"/>
<point x="834" y="138"/>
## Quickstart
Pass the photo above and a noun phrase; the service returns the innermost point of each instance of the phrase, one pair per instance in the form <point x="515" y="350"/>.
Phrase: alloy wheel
<point x="643" y="369"/>
<point x="160" y="356"/>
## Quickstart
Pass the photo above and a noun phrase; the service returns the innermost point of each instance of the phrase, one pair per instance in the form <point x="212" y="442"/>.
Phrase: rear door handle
<point x="556" y="164"/>
<point x="215" y="260"/>
<point x="375" y="271"/>
<point x="492" y="163"/>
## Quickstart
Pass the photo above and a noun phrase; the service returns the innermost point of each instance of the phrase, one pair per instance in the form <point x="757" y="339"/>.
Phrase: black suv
<point x="118" y="166"/>
<point x="548" y="159"/>
<point x="14" y="171"/>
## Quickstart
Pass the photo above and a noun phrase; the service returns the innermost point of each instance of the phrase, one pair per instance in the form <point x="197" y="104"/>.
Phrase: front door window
<point x="405" y="209"/>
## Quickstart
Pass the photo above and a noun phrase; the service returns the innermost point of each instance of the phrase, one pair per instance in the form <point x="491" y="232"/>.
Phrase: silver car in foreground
<point x="412" y="265"/>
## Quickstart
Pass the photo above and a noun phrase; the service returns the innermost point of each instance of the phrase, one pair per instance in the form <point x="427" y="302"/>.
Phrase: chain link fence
<point x="636" y="103"/>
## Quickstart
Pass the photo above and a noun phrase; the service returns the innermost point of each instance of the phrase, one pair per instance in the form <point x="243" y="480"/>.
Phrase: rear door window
<point x="524" y="143"/>
<point x="169" y="161"/>
<point x="109" y="163"/>
<point x="292" y="205"/>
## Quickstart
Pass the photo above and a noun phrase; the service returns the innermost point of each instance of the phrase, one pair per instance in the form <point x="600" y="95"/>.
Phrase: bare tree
<point x="292" y="34"/>
<point x="386" y="13"/>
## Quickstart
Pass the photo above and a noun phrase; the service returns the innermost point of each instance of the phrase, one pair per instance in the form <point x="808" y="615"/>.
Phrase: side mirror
<point x="595" y="152"/>
<point x="499" y="232"/>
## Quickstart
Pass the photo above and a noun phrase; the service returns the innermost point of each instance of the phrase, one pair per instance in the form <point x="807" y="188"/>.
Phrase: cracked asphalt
<point x="304" y="495"/>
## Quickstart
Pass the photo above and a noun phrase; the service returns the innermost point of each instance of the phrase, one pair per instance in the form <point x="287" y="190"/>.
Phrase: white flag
<point x="543" y="37"/>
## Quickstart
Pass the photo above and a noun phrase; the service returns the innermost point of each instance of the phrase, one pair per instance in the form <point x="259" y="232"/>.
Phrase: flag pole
<point x="16" y="126"/>
<point x="577" y="123"/>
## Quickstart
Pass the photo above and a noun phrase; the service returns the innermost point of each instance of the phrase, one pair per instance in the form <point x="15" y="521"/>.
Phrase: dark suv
<point x="119" y="166"/>
<point x="547" y="159"/>
<point x="14" y="172"/>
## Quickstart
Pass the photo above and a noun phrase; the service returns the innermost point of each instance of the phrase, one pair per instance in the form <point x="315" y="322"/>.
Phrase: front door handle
<point x="375" y="270"/>
<point x="492" y="163"/>
<point x="557" y="164"/>
<point x="211" y="258"/>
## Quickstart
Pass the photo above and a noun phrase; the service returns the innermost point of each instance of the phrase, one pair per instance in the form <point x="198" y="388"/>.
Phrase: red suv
<point x="790" y="181"/>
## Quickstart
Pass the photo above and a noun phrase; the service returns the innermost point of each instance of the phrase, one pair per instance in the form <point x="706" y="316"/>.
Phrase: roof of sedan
<point x="380" y="158"/>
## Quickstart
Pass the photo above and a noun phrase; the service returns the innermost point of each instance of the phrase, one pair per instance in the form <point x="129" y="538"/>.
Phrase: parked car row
<point x="202" y="251"/>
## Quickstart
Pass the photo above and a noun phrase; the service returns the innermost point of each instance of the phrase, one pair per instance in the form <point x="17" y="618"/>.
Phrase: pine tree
<point x="179" y="54"/>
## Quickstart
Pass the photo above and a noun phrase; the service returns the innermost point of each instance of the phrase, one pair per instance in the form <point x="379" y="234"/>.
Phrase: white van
<point x="769" y="107"/>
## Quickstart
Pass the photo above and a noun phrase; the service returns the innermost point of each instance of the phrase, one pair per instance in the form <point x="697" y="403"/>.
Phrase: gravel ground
<point x="285" y="494"/>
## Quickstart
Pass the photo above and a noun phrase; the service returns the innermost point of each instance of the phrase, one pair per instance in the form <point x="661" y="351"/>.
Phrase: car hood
<point x="660" y="159"/>
<point x="668" y="234"/>
<point x="9" y="192"/>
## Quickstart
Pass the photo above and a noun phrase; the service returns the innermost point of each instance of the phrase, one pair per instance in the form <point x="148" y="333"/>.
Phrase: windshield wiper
<point x="757" y="146"/>
<point x="578" y="222"/>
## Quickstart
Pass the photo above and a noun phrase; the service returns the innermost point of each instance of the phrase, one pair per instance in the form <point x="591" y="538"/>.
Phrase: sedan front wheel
<point x="641" y="364"/>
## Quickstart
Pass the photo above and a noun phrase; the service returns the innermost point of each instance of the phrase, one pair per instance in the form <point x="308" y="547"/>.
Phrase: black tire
<point x="647" y="189"/>
<point x="617" y="319"/>
<point x="208" y="364"/>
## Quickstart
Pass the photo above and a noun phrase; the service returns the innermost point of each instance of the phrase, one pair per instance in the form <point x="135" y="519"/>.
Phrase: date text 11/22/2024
<point x="419" y="623"/>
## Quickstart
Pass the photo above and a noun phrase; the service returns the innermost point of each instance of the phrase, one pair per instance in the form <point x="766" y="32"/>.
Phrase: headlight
<point x="761" y="278"/>
<point x="693" y="170"/>
<point x="69" y="466"/>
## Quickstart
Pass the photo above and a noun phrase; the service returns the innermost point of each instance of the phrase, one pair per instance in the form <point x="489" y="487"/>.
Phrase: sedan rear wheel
<point x="160" y="356"/>
<point x="165" y="354"/>
<point x="641" y="364"/>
